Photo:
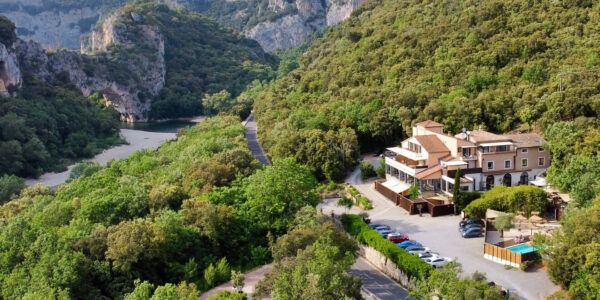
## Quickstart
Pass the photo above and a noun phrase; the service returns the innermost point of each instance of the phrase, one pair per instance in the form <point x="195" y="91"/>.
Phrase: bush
<point x="227" y="295"/>
<point x="465" y="198"/>
<point x="381" y="168"/>
<point x="365" y="203"/>
<point x="366" y="170"/>
<point x="10" y="186"/>
<point x="84" y="169"/>
<point x="509" y="199"/>
<point x="411" y="265"/>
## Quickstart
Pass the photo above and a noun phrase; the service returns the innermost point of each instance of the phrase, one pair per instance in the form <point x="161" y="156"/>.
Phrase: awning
<point x="496" y="144"/>
<point x="540" y="181"/>
<point x="396" y="186"/>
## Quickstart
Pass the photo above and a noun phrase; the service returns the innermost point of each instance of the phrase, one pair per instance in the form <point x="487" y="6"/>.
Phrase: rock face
<point x="145" y="73"/>
<point x="279" y="25"/>
<point x="10" y="74"/>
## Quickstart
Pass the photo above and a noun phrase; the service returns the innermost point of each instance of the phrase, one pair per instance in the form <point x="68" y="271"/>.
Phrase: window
<point x="524" y="150"/>
<point x="541" y="161"/>
<point x="507" y="164"/>
<point x="464" y="188"/>
<point x="524" y="162"/>
<point x="501" y="148"/>
<point x="540" y="149"/>
<point x="490" y="165"/>
<point x="466" y="152"/>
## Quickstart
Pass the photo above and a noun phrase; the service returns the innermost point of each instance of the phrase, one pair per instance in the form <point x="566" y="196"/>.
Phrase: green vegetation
<point x="228" y="295"/>
<point x="573" y="251"/>
<point x="501" y="63"/>
<point x="170" y="218"/>
<point x="509" y="199"/>
<point x="46" y="127"/>
<point x="201" y="58"/>
<point x="366" y="170"/>
<point x="411" y="265"/>
<point x="311" y="261"/>
<point x="84" y="169"/>
<point x="10" y="186"/>
<point x="504" y="222"/>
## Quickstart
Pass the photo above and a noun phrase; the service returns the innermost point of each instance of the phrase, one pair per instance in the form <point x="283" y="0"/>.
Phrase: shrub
<point x="509" y="199"/>
<point x="411" y="265"/>
<point x="10" y="186"/>
<point x="228" y="295"/>
<point x="366" y="170"/>
<point x="365" y="203"/>
<point x="381" y="168"/>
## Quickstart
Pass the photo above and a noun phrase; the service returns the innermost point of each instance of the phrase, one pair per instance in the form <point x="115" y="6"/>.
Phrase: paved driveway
<point x="252" y="139"/>
<point x="441" y="235"/>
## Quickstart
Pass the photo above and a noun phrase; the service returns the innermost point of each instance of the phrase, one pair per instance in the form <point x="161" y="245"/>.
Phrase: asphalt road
<point x="375" y="284"/>
<point x="253" y="144"/>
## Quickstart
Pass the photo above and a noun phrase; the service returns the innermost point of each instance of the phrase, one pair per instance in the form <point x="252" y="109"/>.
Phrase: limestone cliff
<point x="10" y="74"/>
<point x="88" y="71"/>
<point x="275" y="24"/>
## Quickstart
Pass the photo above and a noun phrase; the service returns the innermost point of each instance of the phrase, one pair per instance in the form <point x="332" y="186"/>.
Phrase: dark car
<point x="471" y="226"/>
<point x="472" y="232"/>
<point x="379" y="226"/>
<point x="397" y="237"/>
<point x="466" y="222"/>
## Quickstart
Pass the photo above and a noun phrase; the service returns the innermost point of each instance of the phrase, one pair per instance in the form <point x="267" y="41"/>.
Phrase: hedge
<point x="411" y="265"/>
<point x="523" y="198"/>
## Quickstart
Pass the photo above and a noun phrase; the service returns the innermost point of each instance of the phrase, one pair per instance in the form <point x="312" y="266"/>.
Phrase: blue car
<point x="407" y="244"/>
<point x="373" y="226"/>
<point x="384" y="232"/>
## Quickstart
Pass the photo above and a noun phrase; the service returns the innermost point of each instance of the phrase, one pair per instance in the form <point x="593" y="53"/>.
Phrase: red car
<point x="397" y="237"/>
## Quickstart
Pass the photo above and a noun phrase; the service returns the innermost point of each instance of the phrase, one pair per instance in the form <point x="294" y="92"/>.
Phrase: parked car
<point x="397" y="237"/>
<point x="415" y="247"/>
<point x="408" y="243"/>
<point x="472" y="226"/>
<point x="437" y="262"/>
<point x="417" y="251"/>
<point x="472" y="232"/>
<point x="466" y="222"/>
<point x="375" y="225"/>
<point x="384" y="232"/>
<point x="427" y="254"/>
<point x="381" y="227"/>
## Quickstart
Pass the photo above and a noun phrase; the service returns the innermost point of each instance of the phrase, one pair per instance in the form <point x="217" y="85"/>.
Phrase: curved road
<point x="252" y="138"/>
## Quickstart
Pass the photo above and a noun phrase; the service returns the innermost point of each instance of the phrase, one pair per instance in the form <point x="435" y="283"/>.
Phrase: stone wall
<point x="384" y="265"/>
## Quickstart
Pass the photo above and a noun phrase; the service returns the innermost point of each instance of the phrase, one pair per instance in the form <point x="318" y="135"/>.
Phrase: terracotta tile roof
<point x="526" y="139"/>
<point x="429" y="171"/>
<point x="479" y="136"/>
<point x="431" y="143"/>
<point x="464" y="143"/>
<point x="429" y="123"/>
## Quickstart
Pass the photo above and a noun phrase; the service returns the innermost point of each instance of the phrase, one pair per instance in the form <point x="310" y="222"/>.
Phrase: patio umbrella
<point x="520" y="219"/>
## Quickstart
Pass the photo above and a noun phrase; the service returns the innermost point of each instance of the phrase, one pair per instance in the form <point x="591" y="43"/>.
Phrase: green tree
<point x="237" y="280"/>
<point x="456" y="188"/>
<point x="132" y="241"/>
<point x="366" y="170"/>
<point x="217" y="103"/>
<point x="277" y="192"/>
<point x="84" y="169"/>
<point x="504" y="222"/>
<point x="10" y="186"/>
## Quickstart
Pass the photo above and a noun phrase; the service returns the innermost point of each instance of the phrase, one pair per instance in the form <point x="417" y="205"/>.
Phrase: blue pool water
<point x="522" y="248"/>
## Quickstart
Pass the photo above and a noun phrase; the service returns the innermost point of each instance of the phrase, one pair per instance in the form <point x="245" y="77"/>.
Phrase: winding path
<point x="252" y="138"/>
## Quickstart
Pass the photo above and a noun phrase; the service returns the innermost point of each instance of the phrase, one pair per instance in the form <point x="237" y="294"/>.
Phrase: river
<point x="139" y="136"/>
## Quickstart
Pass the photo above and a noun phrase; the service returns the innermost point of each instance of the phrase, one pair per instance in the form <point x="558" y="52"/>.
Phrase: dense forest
<point x="45" y="127"/>
<point x="178" y="218"/>
<point x="501" y="64"/>
<point x="201" y="57"/>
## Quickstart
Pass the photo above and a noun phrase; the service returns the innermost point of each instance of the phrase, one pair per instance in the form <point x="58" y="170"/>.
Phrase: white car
<point x="437" y="262"/>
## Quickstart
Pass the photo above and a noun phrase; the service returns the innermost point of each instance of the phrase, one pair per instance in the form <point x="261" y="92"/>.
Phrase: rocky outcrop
<point x="127" y="93"/>
<point x="10" y="74"/>
<point x="282" y="24"/>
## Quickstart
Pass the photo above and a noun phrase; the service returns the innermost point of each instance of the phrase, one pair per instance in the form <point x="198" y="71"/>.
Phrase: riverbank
<point x="136" y="140"/>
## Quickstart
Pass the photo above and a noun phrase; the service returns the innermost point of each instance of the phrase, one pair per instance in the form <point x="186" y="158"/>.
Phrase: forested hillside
<point x="200" y="56"/>
<point x="500" y="64"/>
<point x="177" y="218"/>
<point x="503" y="65"/>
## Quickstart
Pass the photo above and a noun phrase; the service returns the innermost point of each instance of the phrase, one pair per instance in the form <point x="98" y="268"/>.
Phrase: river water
<point x="139" y="136"/>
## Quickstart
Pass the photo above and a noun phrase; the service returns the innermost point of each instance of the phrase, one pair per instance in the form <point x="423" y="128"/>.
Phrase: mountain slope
<point x="500" y="64"/>
<point x="275" y="24"/>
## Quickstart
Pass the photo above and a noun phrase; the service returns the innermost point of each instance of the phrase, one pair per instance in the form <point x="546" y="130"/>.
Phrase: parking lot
<point x="441" y="235"/>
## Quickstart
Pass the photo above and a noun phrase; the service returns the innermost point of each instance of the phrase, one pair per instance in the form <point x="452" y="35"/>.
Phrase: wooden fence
<point x="412" y="206"/>
<point x="439" y="209"/>
<point x="502" y="254"/>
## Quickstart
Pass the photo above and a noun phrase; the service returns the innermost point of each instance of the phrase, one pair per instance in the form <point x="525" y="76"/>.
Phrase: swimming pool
<point x="522" y="248"/>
